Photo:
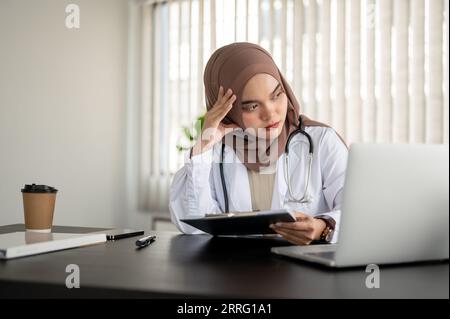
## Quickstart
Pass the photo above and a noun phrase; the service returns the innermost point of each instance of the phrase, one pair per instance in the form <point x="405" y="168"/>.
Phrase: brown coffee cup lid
<point x="33" y="188"/>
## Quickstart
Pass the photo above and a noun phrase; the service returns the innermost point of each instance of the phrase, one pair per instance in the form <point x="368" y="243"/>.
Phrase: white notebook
<point x="19" y="244"/>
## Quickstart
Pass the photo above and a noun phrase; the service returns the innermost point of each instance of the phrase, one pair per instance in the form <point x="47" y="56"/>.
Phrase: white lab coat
<point x="197" y="188"/>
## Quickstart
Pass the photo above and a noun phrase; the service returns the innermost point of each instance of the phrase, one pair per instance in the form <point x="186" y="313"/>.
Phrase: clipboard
<point x="240" y="223"/>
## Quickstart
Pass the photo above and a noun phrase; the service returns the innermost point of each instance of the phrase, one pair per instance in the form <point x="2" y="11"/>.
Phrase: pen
<point x="145" y="241"/>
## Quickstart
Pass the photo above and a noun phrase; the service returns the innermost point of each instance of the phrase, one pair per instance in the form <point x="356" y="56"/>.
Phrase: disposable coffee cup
<point x="38" y="207"/>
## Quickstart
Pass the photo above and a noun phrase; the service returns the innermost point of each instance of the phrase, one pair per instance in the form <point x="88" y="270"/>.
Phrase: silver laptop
<point x="395" y="208"/>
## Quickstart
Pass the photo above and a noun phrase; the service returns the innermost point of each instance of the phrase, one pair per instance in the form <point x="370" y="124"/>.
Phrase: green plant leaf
<point x="192" y="134"/>
<point x="188" y="134"/>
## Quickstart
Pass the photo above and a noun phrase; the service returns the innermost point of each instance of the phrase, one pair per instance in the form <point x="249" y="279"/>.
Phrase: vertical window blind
<point x="375" y="70"/>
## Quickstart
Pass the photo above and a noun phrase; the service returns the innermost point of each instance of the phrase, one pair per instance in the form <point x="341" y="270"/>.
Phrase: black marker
<point x="145" y="241"/>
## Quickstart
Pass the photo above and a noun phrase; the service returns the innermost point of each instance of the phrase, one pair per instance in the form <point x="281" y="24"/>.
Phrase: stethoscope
<point x="306" y="198"/>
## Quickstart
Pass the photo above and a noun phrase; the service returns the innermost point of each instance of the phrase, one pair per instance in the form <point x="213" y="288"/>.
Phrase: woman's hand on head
<point x="301" y="232"/>
<point x="213" y="129"/>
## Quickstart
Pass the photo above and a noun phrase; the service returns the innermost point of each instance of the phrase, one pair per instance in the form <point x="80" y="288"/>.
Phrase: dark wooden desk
<point x="201" y="266"/>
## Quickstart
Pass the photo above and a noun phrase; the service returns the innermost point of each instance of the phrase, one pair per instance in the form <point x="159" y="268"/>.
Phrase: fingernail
<point x="278" y="224"/>
<point x="271" y="226"/>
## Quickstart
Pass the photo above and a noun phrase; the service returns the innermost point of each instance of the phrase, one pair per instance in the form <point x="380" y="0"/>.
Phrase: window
<point x="377" y="71"/>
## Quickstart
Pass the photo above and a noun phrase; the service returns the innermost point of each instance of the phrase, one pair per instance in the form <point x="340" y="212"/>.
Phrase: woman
<point x="252" y="111"/>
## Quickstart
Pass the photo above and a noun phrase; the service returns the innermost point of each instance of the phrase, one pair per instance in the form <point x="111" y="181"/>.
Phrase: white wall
<point x="62" y="108"/>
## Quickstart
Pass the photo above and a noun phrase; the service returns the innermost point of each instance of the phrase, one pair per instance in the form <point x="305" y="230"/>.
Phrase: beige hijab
<point x="232" y="66"/>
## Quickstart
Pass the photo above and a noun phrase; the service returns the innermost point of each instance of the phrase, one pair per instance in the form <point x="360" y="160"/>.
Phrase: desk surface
<point x="201" y="266"/>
